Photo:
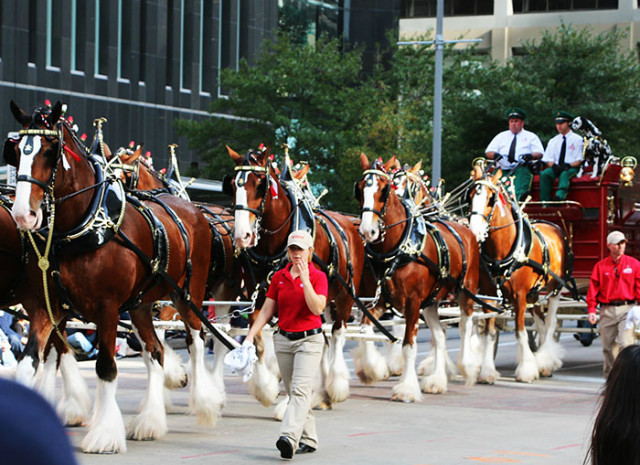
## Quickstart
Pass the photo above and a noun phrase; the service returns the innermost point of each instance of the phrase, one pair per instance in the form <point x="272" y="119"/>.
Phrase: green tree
<point x="311" y="97"/>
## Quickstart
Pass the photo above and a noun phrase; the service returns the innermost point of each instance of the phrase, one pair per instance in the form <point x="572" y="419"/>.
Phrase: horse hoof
<point x="486" y="381"/>
<point x="323" y="407"/>
<point x="402" y="398"/>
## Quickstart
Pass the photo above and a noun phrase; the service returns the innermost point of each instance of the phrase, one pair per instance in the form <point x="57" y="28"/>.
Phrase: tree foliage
<point x="317" y="99"/>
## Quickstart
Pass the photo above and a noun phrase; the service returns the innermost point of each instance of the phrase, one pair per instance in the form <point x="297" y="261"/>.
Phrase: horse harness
<point x="101" y="224"/>
<point x="501" y="270"/>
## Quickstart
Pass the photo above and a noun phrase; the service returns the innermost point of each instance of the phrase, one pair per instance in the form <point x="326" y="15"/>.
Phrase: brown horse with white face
<point x="265" y="214"/>
<point x="224" y="273"/>
<point x="523" y="258"/>
<point x="420" y="263"/>
<point x="108" y="254"/>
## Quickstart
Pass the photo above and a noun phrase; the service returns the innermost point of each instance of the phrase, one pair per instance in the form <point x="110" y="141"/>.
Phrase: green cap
<point x="563" y="116"/>
<point x="515" y="112"/>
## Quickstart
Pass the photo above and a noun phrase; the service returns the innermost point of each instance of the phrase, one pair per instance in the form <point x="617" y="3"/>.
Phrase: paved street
<point x="547" y="422"/>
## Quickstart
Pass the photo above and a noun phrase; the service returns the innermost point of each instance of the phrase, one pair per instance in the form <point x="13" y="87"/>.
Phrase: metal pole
<point x="437" y="98"/>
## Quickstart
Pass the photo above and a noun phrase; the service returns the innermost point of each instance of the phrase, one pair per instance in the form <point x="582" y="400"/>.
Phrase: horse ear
<point x="496" y="176"/>
<point x="364" y="161"/>
<point x="136" y="154"/>
<point x="107" y="151"/>
<point x="235" y="155"/>
<point x="390" y="164"/>
<point x="56" y="113"/>
<point x="304" y="171"/>
<point x="20" y="116"/>
<point x="417" y="167"/>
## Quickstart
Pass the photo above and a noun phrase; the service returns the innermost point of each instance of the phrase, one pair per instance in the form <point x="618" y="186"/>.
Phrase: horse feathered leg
<point x="469" y="357"/>
<point x="151" y="421"/>
<point x="527" y="369"/>
<point x="436" y="382"/>
<point x="338" y="380"/>
<point x="369" y="364"/>
<point x="488" y="373"/>
<point x="106" y="428"/>
<point x="75" y="405"/>
<point x="393" y="353"/>
<point x="263" y="385"/>
<point x="549" y="355"/>
<point x="204" y="399"/>
<point x="408" y="387"/>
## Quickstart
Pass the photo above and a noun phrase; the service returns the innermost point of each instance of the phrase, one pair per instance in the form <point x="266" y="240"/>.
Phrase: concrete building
<point x="504" y="24"/>
<point x="139" y="63"/>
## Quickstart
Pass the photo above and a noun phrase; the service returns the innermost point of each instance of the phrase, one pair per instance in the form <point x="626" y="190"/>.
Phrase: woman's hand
<point x="301" y="267"/>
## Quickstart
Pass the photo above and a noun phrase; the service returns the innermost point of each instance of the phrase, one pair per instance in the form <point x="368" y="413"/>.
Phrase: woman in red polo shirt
<point x="299" y="293"/>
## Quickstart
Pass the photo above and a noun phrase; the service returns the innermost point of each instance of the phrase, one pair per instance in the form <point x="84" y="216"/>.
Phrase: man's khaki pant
<point x="612" y="333"/>
<point x="299" y="362"/>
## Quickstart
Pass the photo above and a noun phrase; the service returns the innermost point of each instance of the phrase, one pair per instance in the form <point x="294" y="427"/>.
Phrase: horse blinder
<point x="357" y="193"/>
<point x="227" y="185"/>
<point x="10" y="156"/>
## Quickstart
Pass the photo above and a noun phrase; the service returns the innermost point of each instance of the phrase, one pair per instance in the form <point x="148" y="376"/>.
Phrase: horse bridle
<point x="50" y="135"/>
<point x="494" y="190"/>
<point x="367" y="176"/>
<point x="245" y="170"/>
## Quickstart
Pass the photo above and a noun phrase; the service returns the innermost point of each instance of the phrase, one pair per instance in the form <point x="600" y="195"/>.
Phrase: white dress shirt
<point x="526" y="142"/>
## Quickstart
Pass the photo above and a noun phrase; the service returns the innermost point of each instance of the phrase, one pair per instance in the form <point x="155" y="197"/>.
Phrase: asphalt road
<point x="547" y="422"/>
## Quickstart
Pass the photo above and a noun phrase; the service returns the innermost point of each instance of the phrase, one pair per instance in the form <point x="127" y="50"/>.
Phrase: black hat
<point x="515" y="112"/>
<point x="563" y="116"/>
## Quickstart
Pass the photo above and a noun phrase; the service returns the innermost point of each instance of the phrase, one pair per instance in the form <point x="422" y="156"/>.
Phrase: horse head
<point x="253" y="185"/>
<point x="373" y="192"/>
<point x="483" y="200"/>
<point x="44" y="143"/>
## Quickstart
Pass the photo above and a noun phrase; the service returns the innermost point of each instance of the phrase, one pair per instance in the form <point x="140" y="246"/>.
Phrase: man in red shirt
<point x="615" y="287"/>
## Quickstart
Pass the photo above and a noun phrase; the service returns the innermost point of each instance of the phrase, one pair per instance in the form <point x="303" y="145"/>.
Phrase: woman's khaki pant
<point x="299" y="362"/>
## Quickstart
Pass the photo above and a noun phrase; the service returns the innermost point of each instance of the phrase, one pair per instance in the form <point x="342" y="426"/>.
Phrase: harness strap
<point x="356" y="300"/>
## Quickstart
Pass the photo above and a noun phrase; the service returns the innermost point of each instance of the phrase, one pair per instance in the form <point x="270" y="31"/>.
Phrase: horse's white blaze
<point x="106" y="429"/>
<point x="369" y="228"/>
<point x="477" y="222"/>
<point x="21" y="210"/>
<point x="151" y="422"/>
<point x="75" y="405"/>
<point x="243" y="231"/>
<point x="205" y="400"/>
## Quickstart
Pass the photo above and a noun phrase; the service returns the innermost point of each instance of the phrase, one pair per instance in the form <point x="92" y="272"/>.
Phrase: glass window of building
<point x="207" y="53"/>
<point x="54" y="34"/>
<point x="79" y="19"/>
<point x="102" y="38"/>
<point x="531" y="6"/>
<point x="33" y="28"/>
<point x="428" y="8"/>
<point x="187" y="34"/>
<point x="125" y="31"/>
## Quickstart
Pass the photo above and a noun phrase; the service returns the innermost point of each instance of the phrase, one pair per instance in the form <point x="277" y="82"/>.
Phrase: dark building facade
<point x="139" y="63"/>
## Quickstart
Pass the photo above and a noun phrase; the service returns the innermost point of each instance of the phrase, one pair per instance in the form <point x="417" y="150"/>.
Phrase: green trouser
<point x="546" y="183"/>
<point x="522" y="181"/>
